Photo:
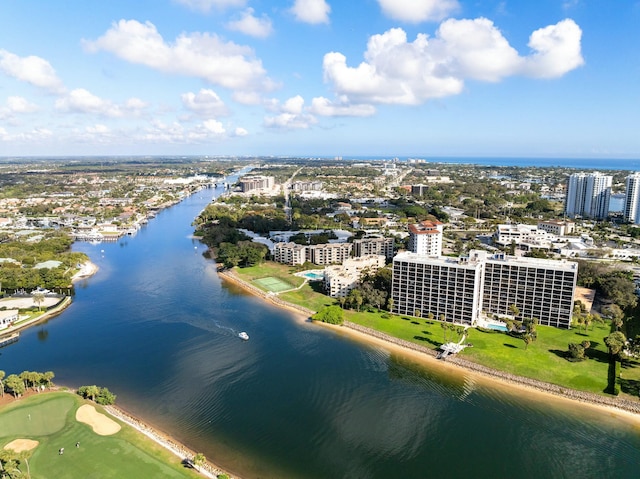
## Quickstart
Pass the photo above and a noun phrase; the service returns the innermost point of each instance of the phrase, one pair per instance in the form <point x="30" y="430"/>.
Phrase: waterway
<point x="158" y="327"/>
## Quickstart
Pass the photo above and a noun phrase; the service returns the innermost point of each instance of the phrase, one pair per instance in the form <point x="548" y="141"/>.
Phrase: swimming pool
<point x="311" y="276"/>
<point x="497" y="327"/>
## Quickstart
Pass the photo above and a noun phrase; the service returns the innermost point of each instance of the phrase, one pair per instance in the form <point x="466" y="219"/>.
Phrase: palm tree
<point x="2" y="373"/>
<point x="38" y="298"/>
<point x="199" y="460"/>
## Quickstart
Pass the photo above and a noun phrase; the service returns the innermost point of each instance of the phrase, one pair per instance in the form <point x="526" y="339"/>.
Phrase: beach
<point x="536" y="390"/>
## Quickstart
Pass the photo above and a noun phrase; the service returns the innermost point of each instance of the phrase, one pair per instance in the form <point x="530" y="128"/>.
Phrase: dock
<point x="12" y="338"/>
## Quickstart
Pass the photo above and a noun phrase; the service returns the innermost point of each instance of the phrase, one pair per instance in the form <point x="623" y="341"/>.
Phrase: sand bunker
<point x="101" y="424"/>
<point x="20" y="445"/>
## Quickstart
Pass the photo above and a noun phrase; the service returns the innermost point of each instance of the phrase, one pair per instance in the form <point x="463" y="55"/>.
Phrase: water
<point x="603" y="164"/>
<point x="158" y="328"/>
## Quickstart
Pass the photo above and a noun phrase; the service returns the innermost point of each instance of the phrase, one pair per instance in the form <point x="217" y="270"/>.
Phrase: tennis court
<point x="273" y="284"/>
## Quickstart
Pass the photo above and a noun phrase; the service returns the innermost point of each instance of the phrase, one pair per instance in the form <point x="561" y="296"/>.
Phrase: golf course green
<point x="44" y="428"/>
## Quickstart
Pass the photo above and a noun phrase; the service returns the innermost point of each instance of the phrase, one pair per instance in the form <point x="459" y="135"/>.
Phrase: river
<point x="158" y="327"/>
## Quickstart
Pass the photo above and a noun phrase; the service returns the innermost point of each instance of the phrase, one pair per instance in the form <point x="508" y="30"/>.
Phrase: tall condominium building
<point x="631" y="212"/>
<point x="425" y="238"/>
<point x="256" y="182"/>
<point x="588" y="195"/>
<point x="469" y="289"/>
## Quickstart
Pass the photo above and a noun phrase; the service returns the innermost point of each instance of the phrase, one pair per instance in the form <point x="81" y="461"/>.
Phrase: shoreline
<point x="87" y="270"/>
<point x="621" y="407"/>
<point x="209" y="469"/>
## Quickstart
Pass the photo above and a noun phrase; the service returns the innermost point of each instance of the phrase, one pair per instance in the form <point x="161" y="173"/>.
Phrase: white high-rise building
<point x="472" y="288"/>
<point x="425" y="238"/>
<point x="588" y="195"/>
<point x="631" y="212"/>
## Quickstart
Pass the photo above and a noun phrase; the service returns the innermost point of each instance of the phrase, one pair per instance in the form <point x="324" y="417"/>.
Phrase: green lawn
<point x="49" y="418"/>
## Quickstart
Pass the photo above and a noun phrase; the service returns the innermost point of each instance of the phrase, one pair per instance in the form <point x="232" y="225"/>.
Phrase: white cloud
<point x="201" y="55"/>
<point x="292" y="115"/>
<point x="17" y="105"/>
<point x="239" y="131"/>
<point x="205" y="103"/>
<point x="248" y="24"/>
<point x="34" y="70"/>
<point x="324" y="107"/>
<point x="416" y="11"/>
<point x="557" y="50"/>
<point x="83" y="101"/>
<point x="311" y="11"/>
<point x="207" y="5"/>
<point x="214" y="126"/>
<point x="400" y="72"/>
<point x="97" y="129"/>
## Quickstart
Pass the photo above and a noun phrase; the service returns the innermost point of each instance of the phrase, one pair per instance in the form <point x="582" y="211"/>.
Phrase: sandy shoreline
<point x="621" y="408"/>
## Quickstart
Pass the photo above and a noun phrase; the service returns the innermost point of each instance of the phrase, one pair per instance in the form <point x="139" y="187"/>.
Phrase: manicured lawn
<point x="49" y="418"/>
<point x="308" y="298"/>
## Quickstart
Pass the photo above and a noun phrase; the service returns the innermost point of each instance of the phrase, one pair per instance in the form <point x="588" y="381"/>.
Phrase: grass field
<point x="49" y="418"/>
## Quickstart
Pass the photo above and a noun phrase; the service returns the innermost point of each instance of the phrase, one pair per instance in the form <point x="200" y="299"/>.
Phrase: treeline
<point x="17" y="384"/>
<point x="373" y="293"/>
<point x="21" y="274"/>
<point x="612" y="284"/>
<point x="97" y="394"/>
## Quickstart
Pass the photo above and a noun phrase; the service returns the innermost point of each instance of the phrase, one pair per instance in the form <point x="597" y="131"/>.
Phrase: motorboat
<point x="243" y="335"/>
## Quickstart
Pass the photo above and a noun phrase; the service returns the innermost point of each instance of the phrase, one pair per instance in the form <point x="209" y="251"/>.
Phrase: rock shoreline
<point x="208" y="469"/>
<point x="560" y="391"/>
<point x="586" y="397"/>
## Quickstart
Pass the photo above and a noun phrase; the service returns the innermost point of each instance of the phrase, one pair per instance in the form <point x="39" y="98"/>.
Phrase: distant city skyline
<point x="422" y="78"/>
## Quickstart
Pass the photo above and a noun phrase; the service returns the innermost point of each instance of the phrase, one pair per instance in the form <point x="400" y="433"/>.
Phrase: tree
<point x="2" y="374"/>
<point x="38" y="298"/>
<point x="355" y="298"/>
<point x="15" y="384"/>
<point x="330" y="314"/>
<point x="105" y="397"/>
<point x="89" y="392"/>
<point x="199" y="460"/>
<point x="615" y="342"/>
<point x="47" y="378"/>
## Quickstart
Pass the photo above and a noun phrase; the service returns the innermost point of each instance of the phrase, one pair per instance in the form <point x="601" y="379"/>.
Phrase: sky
<point x="321" y="78"/>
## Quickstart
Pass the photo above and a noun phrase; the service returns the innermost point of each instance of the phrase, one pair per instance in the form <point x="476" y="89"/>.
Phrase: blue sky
<point x="419" y="78"/>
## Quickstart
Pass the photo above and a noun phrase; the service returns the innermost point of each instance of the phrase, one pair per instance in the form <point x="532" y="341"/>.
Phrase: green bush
<point x="329" y="314"/>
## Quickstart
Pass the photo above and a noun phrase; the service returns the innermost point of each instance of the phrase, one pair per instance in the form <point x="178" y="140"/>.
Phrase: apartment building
<point x="256" y="182"/>
<point x="467" y="289"/>
<point x="425" y="238"/>
<point x="588" y="195"/>
<point x="374" y="245"/>
<point x="329" y="253"/>
<point x="631" y="211"/>
<point x="444" y="287"/>
<point x="322" y="254"/>
<point x="289" y="253"/>
<point x="339" y="280"/>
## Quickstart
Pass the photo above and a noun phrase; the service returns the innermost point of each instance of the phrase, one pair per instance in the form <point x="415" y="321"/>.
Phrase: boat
<point x="243" y="335"/>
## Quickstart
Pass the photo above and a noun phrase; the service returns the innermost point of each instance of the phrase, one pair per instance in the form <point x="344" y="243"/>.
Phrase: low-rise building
<point x="340" y="280"/>
<point x="374" y="245"/>
<point x="289" y="253"/>
<point x="557" y="227"/>
<point x="8" y="317"/>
